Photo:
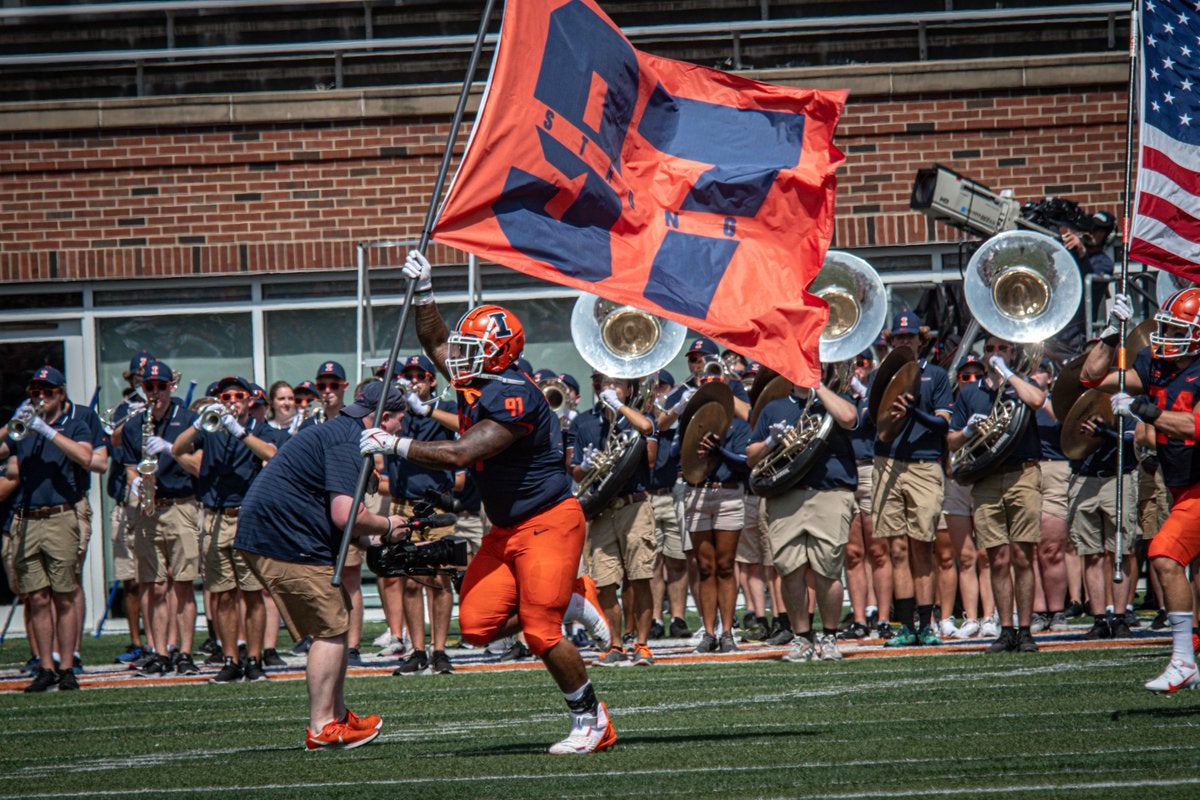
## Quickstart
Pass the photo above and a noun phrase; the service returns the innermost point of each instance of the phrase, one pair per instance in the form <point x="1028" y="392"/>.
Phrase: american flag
<point x="1166" y="222"/>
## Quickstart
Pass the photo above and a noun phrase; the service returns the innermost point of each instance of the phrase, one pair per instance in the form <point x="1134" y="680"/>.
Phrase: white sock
<point x="1181" y="635"/>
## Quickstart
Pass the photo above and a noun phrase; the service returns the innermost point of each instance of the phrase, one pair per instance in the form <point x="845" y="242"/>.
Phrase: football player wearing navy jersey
<point x="524" y="575"/>
<point x="1160" y="391"/>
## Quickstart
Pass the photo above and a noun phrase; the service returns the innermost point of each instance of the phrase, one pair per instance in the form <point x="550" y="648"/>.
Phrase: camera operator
<point x="288" y="530"/>
<point x="1085" y="237"/>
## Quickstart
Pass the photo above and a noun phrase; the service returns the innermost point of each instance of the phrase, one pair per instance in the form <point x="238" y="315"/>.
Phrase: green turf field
<point x="1052" y="724"/>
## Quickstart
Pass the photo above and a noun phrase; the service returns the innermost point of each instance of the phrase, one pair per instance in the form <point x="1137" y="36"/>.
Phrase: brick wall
<point x="290" y="196"/>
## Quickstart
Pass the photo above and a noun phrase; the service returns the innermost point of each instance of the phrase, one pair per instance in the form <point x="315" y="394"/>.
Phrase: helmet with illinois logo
<point x="485" y="341"/>
<point x="1178" y="334"/>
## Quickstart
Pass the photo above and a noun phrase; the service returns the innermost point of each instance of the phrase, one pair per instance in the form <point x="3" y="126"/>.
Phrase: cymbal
<point x="890" y="365"/>
<point x="713" y="391"/>
<point x="761" y="381"/>
<point x="1067" y="388"/>
<point x="907" y="380"/>
<point x="1092" y="403"/>
<point x="711" y="417"/>
<point x="779" y="387"/>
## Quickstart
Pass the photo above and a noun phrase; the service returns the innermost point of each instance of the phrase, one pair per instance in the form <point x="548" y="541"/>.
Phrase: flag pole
<point x="1134" y="39"/>
<point x="426" y="231"/>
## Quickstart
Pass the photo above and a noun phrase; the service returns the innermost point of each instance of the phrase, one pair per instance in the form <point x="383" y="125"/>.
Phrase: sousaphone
<point x="621" y="342"/>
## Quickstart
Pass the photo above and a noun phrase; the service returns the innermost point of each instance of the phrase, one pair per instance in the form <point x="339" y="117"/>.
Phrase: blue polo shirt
<point x="597" y="438"/>
<point x="48" y="477"/>
<point x="286" y="514"/>
<point x="227" y="465"/>
<point x="837" y="468"/>
<point x="530" y="475"/>
<point x="666" y="464"/>
<point x="1102" y="462"/>
<point x="862" y="438"/>
<point x="1050" y="435"/>
<point x="90" y="418"/>
<point x="172" y="481"/>
<point x="409" y="481"/>
<point x="978" y="398"/>
<point x="916" y="441"/>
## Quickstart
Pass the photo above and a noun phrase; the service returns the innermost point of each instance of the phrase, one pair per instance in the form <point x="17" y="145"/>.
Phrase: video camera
<point x="446" y="556"/>
<point x="942" y="194"/>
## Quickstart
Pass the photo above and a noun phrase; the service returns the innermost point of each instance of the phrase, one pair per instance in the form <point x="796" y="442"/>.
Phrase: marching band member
<point x="1050" y="589"/>
<point x="861" y="542"/>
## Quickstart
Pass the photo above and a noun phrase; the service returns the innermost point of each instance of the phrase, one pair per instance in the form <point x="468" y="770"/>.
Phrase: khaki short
<point x="124" y="563"/>
<point x="225" y="567"/>
<point x="307" y="602"/>
<point x="472" y="527"/>
<point x="907" y="498"/>
<point x="810" y="526"/>
<point x="1092" y="518"/>
<point x="666" y="526"/>
<point x="714" y="509"/>
<point x="865" y="488"/>
<point x="167" y="545"/>
<point x="1154" y="502"/>
<point x="753" y="545"/>
<point x="1008" y="507"/>
<point x="45" y="552"/>
<point x="622" y="545"/>
<point x="7" y="555"/>
<point x="404" y="508"/>
<point x="1055" y="475"/>
<point x="83" y="515"/>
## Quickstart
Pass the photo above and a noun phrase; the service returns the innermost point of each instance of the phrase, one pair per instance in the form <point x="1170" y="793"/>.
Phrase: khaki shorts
<point x="472" y="527"/>
<point x="810" y="526"/>
<point x="623" y="545"/>
<point x="307" y="602"/>
<point x="753" y="545"/>
<point x="1092" y="519"/>
<point x="124" y="563"/>
<point x="907" y="498"/>
<point x="225" y="567"/>
<point x="1054" y="488"/>
<point x="865" y="488"/>
<point x="714" y="509"/>
<point x="83" y="515"/>
<point x="7" y="556"/>
<point x="1154" y="502"/>
<point x="45" y="552"/>
<point x="1008" y="507"/>
<point x="666" y="526"/>
<point x="167" y="545"/>
<point x="404" y="508"/>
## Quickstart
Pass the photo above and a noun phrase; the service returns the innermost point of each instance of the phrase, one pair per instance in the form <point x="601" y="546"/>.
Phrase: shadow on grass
<point x="1159" y="713"/>
<point x="650" y="739"/>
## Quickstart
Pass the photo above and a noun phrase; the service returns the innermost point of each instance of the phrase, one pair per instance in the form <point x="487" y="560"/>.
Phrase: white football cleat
<point x="585" y="608"/>
<point x="1178" y="675"/>
<point x="589" y="734"/>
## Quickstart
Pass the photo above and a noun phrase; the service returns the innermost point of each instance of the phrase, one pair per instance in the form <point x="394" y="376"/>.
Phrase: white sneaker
<point x="947" y="627"/>
<point x="1178" y="675"/>
<point x="585" y="608"/>
<point x="589" y="734"/>
<point x="827" y="649"/>
<point x="384" y="639"/>
<point x="990" y="628"/>
<point x="802" y="650"/>
<point x="395" y="647"/>
<point x="968" y="629"/>
<point x="500" y="646"/>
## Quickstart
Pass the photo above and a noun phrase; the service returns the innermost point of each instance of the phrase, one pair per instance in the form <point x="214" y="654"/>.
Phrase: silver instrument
<point x="315" y="411"/>
<point x="557" y="395"/>
<point x="147" y="467"/>
<point x="18" y="426"/>
<point x="136" y="404"/>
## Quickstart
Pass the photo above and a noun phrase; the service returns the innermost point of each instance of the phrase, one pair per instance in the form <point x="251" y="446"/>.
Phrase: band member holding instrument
<point x="908" y="493"/>
<point x="810" y="523"/>
<point x="165" y="528"/>
<point x="861" y="543"/>
<point x="621" y="537"/>
<point x="509" y="440"/>
<point x="1160" y="392"/>
<point x="1008" y="500"/>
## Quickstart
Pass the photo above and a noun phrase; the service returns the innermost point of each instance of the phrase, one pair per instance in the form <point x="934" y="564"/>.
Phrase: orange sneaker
<point x="371" y="722"/>
<point x="338" y="736"/>
<point x="585" y="607"/>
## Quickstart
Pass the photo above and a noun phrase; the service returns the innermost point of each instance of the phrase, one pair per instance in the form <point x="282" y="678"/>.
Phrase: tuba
<point x="1023" y="287"/>
<point x="621" y="342"/>
<point x="857" y="311"/>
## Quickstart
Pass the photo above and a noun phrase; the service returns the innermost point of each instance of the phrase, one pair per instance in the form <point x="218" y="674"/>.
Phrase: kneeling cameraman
<point x="290" y="528"/>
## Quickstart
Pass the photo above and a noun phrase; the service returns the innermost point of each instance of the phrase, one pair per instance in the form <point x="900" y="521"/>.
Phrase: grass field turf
<point x="1068" y="723"/>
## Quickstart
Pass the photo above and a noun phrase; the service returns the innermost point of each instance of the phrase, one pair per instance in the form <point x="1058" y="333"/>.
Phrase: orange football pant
<point x="529" y="568"/>
<point x="1179" y="537"/>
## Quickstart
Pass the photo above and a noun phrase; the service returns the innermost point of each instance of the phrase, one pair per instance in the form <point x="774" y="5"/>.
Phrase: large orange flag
<point x="686" y="192"/>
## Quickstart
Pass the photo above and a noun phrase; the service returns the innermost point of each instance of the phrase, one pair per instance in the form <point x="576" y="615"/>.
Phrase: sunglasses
<point x="154" y="386"/>
<point x="325" y="386"/>
<point x="696" y="357"/>
<point x="35" y="394"/>
<point x="413" y="377"/>
<point x="991" y="348"/>
<point x="303" y="401"/>
<point x="229" y="397"/>
<point x="968" y="377"/>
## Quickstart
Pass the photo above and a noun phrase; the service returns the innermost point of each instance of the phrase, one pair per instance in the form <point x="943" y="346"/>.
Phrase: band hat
<point x="232" y="380"/>
<point x="138" y="363"/>
<point x="569" y="380"/>
<point x="704" y="345"/>
<point x="668" y="379"/>
<point x="970" y="360"/>
<point x="366" y="400"/>
<point x="158" y="371"/>
<point x="420" y="362"/>
<point x="306" y="387"/>
<point x="49" y="376"/>
<point x="906" y="322"/>
<point x="332" y="368"/>
<point x="545" y="375"/>
<point x="258" y="395"/>
<point x="212" y="389"/>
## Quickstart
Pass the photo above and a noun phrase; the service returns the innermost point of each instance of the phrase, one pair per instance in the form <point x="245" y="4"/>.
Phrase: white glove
<point x="418" y="406"/>
<point x="589" y="458"/>
<point x="219" y="408"/>
<point x="678" y="408"/>
<point x="156" y="446"/>
<point x="1121" y="311"/>
<point x="775" y="434"/>
<point x="973" y="424"/>
<point x="229" y="421"/>
<point x="376" y="441"/>
<point x="857" y="387"/>
<point x="997" y="363"/>
<point x="610" y="399"/>
<point x="417" y="268"/>
<point x="1141" y="408"/>
<point x="41" y="427"/>
<point x="23" y="411"/>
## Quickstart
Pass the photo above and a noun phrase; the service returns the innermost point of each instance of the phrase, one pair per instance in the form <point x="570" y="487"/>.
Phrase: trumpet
<point x="147" y="467"/>
<point x="210" y="417"/>
<point x="557" y="395"/>
<point x="136" y="403"/>
<point x="18" y="426"/>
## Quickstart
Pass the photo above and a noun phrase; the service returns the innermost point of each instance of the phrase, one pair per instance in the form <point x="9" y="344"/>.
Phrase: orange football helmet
<point x="485" y="341"/>
<point x="1181" y="310"/>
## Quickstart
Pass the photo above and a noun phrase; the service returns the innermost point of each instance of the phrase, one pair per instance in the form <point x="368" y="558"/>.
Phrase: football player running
<point x="524" y="576"/>
<point x="1160" y="391"/>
